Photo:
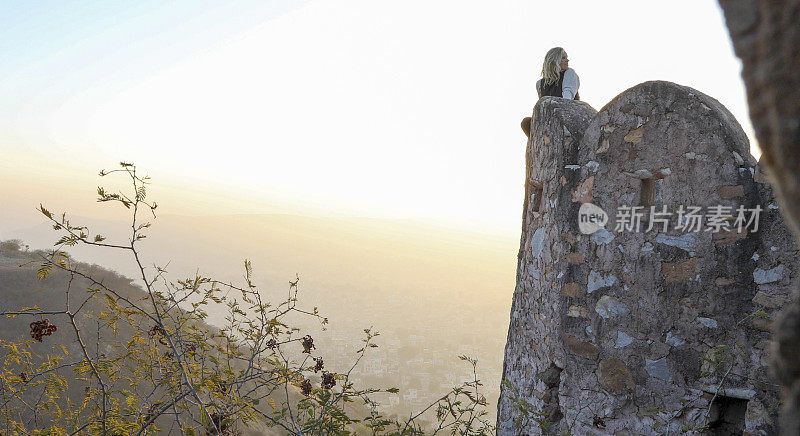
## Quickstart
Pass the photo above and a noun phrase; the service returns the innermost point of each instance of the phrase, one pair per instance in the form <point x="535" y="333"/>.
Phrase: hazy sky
<point x="354" y="107"/>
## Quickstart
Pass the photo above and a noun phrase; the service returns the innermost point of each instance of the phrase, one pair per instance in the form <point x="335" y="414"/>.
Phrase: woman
<point x="558" y="79"/>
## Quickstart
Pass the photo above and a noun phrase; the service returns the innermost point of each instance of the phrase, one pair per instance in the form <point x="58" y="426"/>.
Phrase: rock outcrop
<point x="766" y="37"/>
<point x="656" y="320"/>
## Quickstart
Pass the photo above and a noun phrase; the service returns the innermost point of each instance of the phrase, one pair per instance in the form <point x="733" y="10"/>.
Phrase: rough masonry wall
<point x="534" y="359"/>
<point x="631" y="332"/>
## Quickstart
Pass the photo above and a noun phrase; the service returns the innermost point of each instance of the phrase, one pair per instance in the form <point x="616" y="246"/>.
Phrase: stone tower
<point x="660" y="328"/>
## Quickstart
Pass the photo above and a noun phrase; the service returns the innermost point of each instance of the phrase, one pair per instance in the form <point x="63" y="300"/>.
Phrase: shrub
<point x="146" y="362"/>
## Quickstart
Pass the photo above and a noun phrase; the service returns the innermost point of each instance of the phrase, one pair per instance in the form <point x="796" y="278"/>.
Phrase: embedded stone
<point x="583" y="193"/>
<point x="623" y="340"/>
<point x="658" y="369"/>
<point x="598" y="280"/>
<point x="762" y="324"/>
<point x="568" y="237"/>
<point x="601" y="237"/>
<point x="727" y="237"/>
<point x="708" y="322"/>
<point x="728" y="192"/>
<point x="537" y="242"/>
<point x="570" y="289"/>
<point x="603" y="147"/>
<point x="578" y="312"/>
<point x="673" y="340"/>
<point x="761" y="276"/>
<point x="772" y="301"/>
<point x="576" y="346"/>
<point x="608" y="306"/>
<point x="677" y="271"/>
<point x="615" y="377"/>
<point x="662" y="173"/>
<point x="574" y="258"/>
<point x="544" y="396"/>
<point x="634" y="136"/>
<point x="686" y="242"/>
<point x="723" y="281"/>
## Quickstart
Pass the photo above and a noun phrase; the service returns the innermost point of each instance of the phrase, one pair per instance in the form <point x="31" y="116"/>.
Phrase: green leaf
<point x="44" y="271"/>
<point x="45" y="211"/>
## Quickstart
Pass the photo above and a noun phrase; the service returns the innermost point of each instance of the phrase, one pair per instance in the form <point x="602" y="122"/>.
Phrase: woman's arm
<point x="570" y="85"/>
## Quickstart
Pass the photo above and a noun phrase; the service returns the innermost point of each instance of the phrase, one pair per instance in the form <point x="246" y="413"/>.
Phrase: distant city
<point x="420" y="355"/>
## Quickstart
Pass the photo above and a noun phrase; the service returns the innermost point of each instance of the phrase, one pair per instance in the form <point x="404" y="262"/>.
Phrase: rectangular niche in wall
<point x="647" y="195"/>
<point x="726" y="416"/>
<point x="537" y="195"/>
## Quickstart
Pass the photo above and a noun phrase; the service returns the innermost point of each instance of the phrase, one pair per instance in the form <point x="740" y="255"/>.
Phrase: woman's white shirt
<point x="570" y="85"/>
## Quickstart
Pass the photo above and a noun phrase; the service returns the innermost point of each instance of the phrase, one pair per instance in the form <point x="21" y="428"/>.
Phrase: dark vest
<point x="555" y="89"/>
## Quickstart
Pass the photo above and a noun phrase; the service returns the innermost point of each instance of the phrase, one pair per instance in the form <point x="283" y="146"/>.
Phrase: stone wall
<point x="656" y="330"/>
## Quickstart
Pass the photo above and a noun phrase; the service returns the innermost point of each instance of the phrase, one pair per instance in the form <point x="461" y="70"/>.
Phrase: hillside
<point x="20" y="288"/>
<point x="433" y="292"/>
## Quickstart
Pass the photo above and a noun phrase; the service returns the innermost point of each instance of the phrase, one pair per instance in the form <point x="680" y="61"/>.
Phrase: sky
<point x="367" y="108"/>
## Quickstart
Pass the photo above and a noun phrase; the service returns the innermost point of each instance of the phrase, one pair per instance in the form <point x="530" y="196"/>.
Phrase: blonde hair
<point x="551" y="69"/>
